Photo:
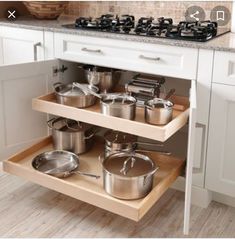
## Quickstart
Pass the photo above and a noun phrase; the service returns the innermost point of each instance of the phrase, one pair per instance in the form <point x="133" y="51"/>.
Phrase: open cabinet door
<point x="190" y="155"/>
<point x="20" y="126"/>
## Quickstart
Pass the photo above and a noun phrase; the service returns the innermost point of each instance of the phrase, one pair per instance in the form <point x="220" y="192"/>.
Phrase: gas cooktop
<point x="150" y="27"/>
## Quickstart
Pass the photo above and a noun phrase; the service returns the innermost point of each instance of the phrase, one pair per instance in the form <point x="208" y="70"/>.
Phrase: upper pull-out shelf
<point x="92" y="115"/>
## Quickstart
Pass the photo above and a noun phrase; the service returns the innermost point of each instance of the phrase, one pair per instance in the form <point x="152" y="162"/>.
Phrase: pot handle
<point x="49" y="122"/>
<point x="90" y="136"/>
<point x="149" y="175"/>
<point x="57" y="84"/>
<point x="72" y="127"/>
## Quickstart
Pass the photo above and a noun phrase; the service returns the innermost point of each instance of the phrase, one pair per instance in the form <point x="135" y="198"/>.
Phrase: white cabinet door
<point x="20" y="45"/>
<point x="190" y="155"/>
<point x="220" y="176"/>
<point x="20" y="126"/>
<point x="1" y="52"/>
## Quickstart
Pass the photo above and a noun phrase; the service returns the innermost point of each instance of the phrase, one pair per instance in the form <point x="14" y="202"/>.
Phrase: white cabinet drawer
<point x="148" y="58"/>
<point x="20" y="45"/>
<point x="224" y="68"/>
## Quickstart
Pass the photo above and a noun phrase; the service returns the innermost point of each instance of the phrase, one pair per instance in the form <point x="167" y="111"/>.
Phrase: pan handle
<point x="57" y="84"/>
<point x="150" y="144"/>
<point x="157" y="151"/>
<point x="85" y="174"/>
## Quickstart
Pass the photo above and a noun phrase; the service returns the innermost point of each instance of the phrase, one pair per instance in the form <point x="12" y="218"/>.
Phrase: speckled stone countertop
<point x="225" y="42"/>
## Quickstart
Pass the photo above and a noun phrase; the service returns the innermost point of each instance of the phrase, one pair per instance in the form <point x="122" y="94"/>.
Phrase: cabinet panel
<point x="221" y="151"/>
<point x="224" y="68"/>
<point x="21" y="45"/>
<point x="1" y="52"/>
<point x="20" y="125"/>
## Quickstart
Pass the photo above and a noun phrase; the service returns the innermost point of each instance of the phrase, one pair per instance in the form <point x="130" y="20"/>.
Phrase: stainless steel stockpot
<point x="104" y="78"/>
<point x="70" y="135"/>
<point x="128" y="175"/>
<point x="118" y="105"/>
<point x="68" y="94"/>
<point x="158" y="111"/>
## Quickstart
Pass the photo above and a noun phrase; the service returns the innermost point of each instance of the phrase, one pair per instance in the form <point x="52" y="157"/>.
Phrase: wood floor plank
<point x="29" y="210"/>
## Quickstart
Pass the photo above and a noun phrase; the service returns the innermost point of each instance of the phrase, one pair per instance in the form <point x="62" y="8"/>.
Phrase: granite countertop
<point x="225" y="42"/>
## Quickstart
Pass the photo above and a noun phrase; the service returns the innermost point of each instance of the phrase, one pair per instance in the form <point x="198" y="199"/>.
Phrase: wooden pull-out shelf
<point x="92" y="115"/>
<point x="91" y="190"/>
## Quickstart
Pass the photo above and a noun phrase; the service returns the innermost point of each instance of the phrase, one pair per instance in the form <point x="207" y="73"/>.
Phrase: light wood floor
<point x="28" y="210"/>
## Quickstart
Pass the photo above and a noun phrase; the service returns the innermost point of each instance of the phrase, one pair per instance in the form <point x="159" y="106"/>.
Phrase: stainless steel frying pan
<point x="59" y="163"/>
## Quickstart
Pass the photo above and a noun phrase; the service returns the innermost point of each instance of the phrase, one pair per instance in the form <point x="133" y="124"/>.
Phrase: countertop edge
<point x="56" y="28"/>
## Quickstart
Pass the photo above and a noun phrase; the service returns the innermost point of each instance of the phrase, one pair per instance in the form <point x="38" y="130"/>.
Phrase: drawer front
<point x="148" y="58"/>
<point x="20" y="45"/>
<point x="224" y="68"/>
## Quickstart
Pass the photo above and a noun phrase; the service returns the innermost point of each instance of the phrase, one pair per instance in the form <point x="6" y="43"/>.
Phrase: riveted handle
<point x="149" y="58"/>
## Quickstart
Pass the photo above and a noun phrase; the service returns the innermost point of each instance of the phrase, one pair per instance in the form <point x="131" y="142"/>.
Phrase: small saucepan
<point x="104" y="78"/>
<point x="67" y="94"/>
<point x="159" y="111"/>
<point x="119" y="105"/>
<point x="59" y="163"/>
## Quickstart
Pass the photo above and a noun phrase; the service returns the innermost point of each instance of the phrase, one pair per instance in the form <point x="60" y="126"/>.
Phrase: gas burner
<point x="150" y="27"/>
<point x="200" y="31"/>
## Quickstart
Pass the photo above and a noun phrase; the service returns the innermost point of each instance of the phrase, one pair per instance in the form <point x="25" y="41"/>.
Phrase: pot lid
<point x="69" y="125"/>
<point x="72" y="90"/>
<point x="129" y="164"/>
<point x="117" y="137"/>
<point x="118" y="99"/>
<point x="159" y="103"/>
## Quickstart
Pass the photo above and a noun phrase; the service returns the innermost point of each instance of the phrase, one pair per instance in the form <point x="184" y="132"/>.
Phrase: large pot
<point x="68" y="94"/>
<point x="70" y="135"/>
<point x="128" y="175"/>
<point x="118" y="105"/>
<point x="158" y="111"/>
<point x="104" y="78"/>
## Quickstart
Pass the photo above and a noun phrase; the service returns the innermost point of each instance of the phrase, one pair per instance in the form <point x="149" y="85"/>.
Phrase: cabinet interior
<point x="177" y="143"/>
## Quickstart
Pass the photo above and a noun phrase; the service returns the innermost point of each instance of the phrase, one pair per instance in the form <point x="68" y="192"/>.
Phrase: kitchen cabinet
<point x="220" y="175"/>
<point x="20" y="164"/>
<point x="20" y="45"/>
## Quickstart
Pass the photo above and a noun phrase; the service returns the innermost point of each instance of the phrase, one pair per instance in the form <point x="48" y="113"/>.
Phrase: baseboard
<point x="200" y="196"/>
<point x="221" y="198"/>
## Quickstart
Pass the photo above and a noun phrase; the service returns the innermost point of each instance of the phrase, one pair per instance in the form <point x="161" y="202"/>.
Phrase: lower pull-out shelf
<point x="92" y="115"/>
<point x="91" y="190"/>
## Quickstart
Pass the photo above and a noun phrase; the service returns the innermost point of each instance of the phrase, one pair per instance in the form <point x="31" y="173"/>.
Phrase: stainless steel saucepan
<point x="71" y="135"/>
<point x="104" y="78"/>
<point x="159" y="111"/>
<point x="114" y="104"/>
<point x="59" y="163"/>
<point x="128" y="175"/>
<point x="67" y="94"/>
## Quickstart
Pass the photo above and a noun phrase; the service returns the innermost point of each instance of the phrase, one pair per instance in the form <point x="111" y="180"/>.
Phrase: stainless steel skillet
<point x="59" y="163"/>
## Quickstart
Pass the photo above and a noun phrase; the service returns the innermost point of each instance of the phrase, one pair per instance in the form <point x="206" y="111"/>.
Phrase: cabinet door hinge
<point x="57" y="70"/>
